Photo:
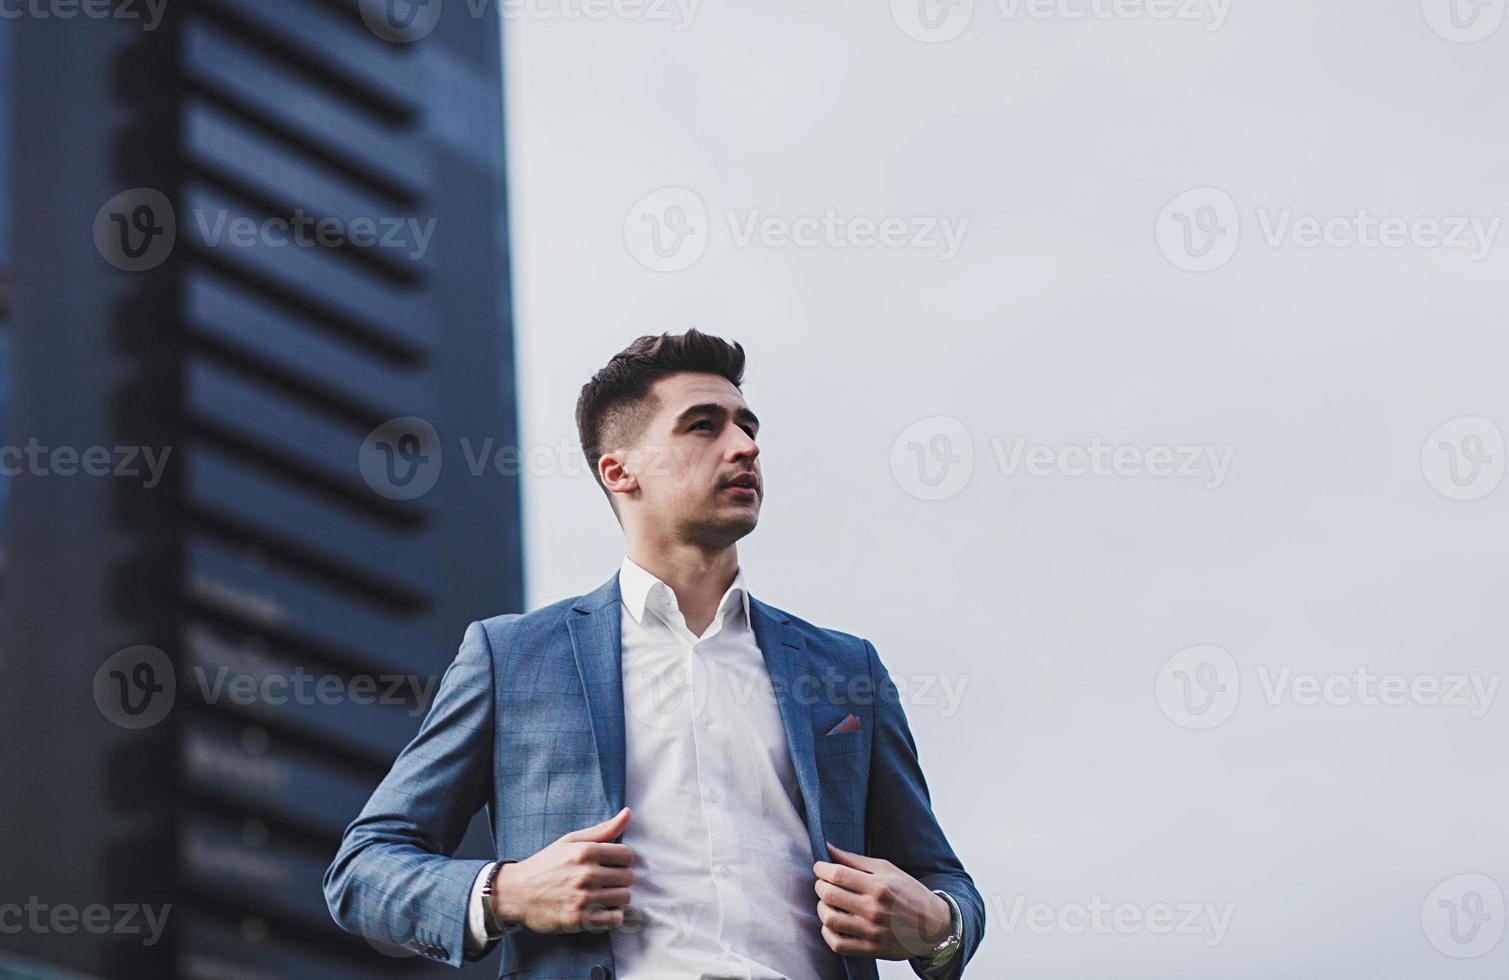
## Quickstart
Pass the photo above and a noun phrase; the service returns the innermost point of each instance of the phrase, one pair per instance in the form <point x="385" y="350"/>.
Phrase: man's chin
<point x="722" y="530"/>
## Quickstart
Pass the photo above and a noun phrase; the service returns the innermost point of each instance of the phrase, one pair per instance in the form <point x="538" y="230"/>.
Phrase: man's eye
<point x="702" y="423"/>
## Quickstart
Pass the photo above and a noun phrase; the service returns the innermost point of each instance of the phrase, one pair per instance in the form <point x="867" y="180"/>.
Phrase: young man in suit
<point x="748" y="778"/>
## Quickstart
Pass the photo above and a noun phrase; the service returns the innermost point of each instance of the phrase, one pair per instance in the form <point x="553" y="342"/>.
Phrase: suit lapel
<point x="786" y="660"/>
<point x="595" y="640"/>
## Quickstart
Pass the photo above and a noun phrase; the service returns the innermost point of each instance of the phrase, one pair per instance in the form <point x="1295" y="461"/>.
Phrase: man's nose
<point x="744" y="447"/>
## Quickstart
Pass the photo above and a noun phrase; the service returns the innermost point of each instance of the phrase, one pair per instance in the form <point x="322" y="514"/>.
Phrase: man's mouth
<point x="745" y="484"/>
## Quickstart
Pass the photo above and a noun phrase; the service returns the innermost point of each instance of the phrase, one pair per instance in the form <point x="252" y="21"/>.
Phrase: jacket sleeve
<point x="393" y="881"/>
<point x="899" y="822"/>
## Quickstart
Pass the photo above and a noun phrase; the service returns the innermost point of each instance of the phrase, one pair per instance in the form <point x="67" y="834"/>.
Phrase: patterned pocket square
<point x="849" y="724"/>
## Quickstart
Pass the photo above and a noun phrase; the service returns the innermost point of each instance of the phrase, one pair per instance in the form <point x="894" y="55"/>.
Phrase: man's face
<point x="696" y="462"/>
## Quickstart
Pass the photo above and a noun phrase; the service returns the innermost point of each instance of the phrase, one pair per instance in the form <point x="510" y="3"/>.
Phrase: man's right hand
<point x="580" y="882"/>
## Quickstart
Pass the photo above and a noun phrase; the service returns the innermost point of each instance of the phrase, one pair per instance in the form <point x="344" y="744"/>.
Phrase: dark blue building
<point x="260" y="296"/>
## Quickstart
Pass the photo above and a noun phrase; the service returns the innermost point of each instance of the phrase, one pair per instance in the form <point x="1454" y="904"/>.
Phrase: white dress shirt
<point x="723" y="868"/>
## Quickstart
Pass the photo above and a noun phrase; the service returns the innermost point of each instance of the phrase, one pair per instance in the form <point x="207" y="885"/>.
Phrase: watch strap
<point x="494" y="927"/>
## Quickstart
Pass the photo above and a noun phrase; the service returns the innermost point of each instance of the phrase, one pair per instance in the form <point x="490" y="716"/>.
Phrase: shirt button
<point x="725" y="870"/>
<point x="712" y="796"/>
<point x="707" y="721"/>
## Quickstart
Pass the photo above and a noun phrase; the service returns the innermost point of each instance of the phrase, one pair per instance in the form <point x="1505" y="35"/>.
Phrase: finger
<point x="844" y="901"/>
<point x="610" y="855"/>
<point x="847" y="924"/>
<point x="853" y="860"/>
<point x="598" y="920"/>
<point x="607" y="898"/>
<point x="610" y="878"/>
<point x="846" y="945"/>
<point x="843" y="876"/>
<point x="605" y="831"/>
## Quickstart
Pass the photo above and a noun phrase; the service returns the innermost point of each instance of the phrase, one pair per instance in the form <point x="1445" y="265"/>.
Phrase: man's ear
<point x="612" y="468"/>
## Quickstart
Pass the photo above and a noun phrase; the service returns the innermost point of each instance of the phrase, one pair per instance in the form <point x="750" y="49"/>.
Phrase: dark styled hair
<point x="616" y="405"/>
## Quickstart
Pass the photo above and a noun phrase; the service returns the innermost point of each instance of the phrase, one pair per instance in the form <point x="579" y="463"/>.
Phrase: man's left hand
<point x="870" y="907"/>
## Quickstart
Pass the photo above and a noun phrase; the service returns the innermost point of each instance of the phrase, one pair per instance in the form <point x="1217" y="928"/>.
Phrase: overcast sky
<point x="1135" y="384"/>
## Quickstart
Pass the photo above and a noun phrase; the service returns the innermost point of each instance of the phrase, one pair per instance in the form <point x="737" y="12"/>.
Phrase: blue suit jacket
<point x="529" y="721"/>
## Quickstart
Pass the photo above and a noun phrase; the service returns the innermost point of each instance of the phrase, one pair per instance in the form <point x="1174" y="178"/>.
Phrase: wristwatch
<point x="949" y="944"/>
<point x="494" y="927"/>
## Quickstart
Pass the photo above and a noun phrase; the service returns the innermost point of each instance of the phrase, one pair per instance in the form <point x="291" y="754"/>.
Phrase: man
<point x="749" y="778"/>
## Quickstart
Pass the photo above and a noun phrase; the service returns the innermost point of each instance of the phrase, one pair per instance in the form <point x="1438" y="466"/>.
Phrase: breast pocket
<point x="843" y="771"/>
<point x="839" y="744"/>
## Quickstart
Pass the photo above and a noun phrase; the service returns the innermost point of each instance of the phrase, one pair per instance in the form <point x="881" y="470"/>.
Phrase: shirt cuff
<point x="477" y="936"/>
<point x="926" y="964"/>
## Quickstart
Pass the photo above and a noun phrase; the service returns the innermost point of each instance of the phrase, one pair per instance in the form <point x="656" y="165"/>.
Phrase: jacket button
<point x="601" y="972"/>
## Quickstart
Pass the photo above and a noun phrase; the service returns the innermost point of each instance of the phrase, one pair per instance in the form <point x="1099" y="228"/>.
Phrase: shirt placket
<point x="710" y="735"/>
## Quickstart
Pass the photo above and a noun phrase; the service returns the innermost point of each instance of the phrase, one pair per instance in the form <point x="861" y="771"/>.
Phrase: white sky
<point x="1055" y="599"/>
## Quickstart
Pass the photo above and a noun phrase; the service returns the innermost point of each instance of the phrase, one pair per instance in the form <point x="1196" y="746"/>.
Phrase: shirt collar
<point x="637" y="586"/>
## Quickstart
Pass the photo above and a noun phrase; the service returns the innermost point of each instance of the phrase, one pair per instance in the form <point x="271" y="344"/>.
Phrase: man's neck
<point x="698" y="578"/>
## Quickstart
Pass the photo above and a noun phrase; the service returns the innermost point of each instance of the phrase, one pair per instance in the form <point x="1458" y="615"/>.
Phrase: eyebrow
<point x="714" y="410"/>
